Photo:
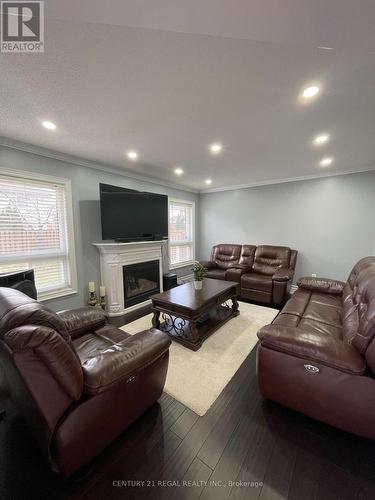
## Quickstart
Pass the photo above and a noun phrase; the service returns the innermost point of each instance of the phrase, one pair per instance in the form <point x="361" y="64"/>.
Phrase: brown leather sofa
<point x="264" y="272"/>
<point x="318" y="355"/>
<point x="77" y="380"/>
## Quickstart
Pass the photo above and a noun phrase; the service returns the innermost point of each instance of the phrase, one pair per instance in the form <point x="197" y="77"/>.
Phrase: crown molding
<point x="75" y="160"/>
<point x="288" y="179"/>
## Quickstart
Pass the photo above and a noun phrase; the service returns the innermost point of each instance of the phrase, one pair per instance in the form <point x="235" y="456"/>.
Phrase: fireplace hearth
<point x="141" y="281"/>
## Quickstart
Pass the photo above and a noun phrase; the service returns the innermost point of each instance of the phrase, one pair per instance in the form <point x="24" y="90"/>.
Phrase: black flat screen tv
<point x="129" y="215"/>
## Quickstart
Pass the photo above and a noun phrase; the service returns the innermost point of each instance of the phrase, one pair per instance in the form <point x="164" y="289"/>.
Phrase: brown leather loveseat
<point x="77" y="380"/>
<point x="264" y="272"/>
<point x="318" y="355"/>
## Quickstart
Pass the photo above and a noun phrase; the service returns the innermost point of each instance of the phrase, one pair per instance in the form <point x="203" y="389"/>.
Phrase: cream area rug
<point x="197" y="378"/>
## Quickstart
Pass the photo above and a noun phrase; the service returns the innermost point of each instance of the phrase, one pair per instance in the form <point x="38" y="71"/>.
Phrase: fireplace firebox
<point x="141" y="281"/>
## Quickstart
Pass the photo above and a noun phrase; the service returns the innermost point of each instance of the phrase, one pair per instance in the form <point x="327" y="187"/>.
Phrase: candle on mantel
<point x="91" y="286"/>
<point x="102" y="291"/>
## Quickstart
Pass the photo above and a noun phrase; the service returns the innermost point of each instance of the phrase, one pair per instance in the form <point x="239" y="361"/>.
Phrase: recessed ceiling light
<point x="208" y="181"/>
<point x="311" y="91"/>
<point x="326" y="162"/>
<point x="178" y="171"/>
<point x="216" y="148"/>
<point x="132" y="155"/>
<point x="49" y="125"/>
<point x="321" y="139"/>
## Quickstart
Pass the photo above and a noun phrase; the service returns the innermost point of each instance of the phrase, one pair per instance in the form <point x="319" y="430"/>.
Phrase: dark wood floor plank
<point x="251" y="476"/>
<point x="165" y="399"/>
<point x="280" y="469"/>
<point x="335" y="482"/>
<point x="193" y="481"/>
<point x="218" y="438"/>
<point x="307" y="466"/>
<point x="154" y="449"/>
<point x="231" y="461"/>
<point x="146" y="472"/>
<point x="184" y="423"/>
<point x="366" y="490"/>
<point x="174" y="413"/>
<point x="176" y="467"/>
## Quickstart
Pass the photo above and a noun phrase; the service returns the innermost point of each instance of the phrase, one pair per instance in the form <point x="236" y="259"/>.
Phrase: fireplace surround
<point x="121" y="279"/>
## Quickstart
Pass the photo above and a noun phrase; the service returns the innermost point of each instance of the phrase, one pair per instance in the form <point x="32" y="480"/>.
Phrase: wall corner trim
<point x="287" y="179"/>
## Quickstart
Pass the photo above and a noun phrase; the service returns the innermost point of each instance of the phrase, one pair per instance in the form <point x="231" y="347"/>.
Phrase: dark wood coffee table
<point x="189" y="316"/>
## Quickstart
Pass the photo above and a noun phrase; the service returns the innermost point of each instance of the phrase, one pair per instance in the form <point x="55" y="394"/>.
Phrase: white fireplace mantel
<point x="113" y="257"/>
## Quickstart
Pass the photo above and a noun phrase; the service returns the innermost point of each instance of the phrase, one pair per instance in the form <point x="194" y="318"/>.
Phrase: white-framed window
<point x="181" y="233"/>
<point x="36" y="231"/>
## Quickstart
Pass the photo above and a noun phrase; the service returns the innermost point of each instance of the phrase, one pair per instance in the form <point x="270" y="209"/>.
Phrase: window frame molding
<point x="193" y="242"/>
<point x="70" y="230"/>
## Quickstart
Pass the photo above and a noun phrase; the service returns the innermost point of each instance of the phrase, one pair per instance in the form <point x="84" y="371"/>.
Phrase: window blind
<point x="33" y="231"/>
<point x="181" y="233"/>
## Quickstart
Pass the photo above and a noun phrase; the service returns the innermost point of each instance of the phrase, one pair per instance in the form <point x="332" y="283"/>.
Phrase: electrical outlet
<point x="313" y="275"/>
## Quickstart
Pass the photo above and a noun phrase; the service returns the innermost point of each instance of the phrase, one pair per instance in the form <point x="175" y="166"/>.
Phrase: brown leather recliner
<point x="264" y="272"/>
<point x="271" y="272"/>
<point x="223" y="257"/>
<point x="318" y="355"/>
<point x="77" y="380"/>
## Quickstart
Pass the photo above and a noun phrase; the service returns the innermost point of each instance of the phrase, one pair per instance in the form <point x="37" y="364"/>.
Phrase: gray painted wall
<point x="86" y="209"/>
<point x="330" y="221"/>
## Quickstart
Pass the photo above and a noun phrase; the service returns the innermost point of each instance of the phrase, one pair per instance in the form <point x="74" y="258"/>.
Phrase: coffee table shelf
<point x="189" y="316"/>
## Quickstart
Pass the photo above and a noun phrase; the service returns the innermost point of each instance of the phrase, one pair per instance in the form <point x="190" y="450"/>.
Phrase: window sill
<point x="182" y="264"/>
<point x="56" y="294"/>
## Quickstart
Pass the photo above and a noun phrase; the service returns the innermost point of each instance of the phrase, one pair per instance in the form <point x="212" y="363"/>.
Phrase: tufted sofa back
<point x="269" y="258"/>
<point x="358" y="309"/>
<point x="226" y="256"/>
<point x="17" y="309"/>
<point x="247" y="255"/>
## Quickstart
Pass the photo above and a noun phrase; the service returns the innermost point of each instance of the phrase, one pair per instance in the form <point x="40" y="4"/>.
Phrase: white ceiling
<point x="168" y="77"/>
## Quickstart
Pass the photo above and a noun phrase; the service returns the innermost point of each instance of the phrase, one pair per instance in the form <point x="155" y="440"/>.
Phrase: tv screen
<point x="132" y="215"/>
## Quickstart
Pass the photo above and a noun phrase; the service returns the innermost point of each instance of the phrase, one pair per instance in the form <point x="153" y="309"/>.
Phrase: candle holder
<point x="102" y="302"/>
<point x="92" y="299"/>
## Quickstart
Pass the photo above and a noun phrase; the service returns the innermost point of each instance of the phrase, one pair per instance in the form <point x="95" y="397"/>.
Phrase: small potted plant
<point x="199" y="273"/>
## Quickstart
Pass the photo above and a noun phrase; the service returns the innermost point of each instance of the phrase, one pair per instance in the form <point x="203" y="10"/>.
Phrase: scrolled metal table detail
<point x="173" y="324"/>
<point x="223" y="307"/>
<point x="190" y="319"/>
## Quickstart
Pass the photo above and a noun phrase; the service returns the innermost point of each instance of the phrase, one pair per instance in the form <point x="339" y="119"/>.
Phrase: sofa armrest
<point x="83" y="320"/>
<point x="283" y="274"/>
<point x="324" y="285"/>
<point x="234" y="274"/>
<point x="208" y="264"/>
<point x="123" y="360"/>
<point x="313" y="347"/>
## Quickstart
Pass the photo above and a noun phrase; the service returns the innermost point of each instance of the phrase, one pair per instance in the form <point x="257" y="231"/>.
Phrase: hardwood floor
<point x="243" y="448"/>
